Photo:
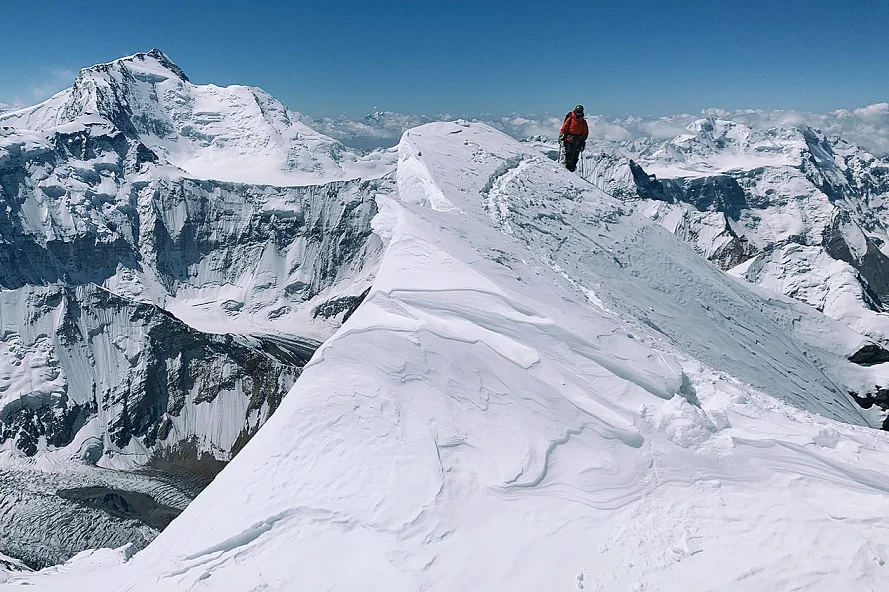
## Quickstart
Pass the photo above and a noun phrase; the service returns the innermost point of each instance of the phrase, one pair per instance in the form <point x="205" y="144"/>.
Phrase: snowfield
<point x="542" y="391"/>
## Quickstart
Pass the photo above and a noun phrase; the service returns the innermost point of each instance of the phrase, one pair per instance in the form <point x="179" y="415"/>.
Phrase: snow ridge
<point x="478" y="411"/>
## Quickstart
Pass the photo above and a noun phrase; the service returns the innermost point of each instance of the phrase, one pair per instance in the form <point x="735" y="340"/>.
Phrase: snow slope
<point x="542" y="391"/>
<point x="784" y="207"/>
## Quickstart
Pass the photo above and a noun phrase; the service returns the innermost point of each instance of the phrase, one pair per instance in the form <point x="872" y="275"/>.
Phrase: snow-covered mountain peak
<point x="714" y="145"/>
<point x="152" y="64"/>
<point x="797" y="210"/>
<point x="713" y="138"/>
<point x="107" y="92"/>
<point x="147" y="316"/>
<point x="716" y="127"/>
<point x="235" y="133"/>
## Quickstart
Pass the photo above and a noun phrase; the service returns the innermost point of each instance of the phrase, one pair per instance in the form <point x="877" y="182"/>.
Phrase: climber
<point x="573" y="136"/>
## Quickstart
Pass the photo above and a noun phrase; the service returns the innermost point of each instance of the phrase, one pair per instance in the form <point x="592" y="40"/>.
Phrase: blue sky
<point x="348" y="57"/>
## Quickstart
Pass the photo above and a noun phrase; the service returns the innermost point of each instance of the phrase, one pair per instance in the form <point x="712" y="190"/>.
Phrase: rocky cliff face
<point x="117" y="377"/>
<point x="155" y="309"/>
<point x="86" y="209"/>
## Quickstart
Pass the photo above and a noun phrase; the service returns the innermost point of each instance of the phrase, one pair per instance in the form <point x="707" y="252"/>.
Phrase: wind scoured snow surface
<point x="541" y="392"/>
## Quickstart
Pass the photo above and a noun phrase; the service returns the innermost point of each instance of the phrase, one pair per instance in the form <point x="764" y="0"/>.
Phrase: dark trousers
<point x="572" y="153"/>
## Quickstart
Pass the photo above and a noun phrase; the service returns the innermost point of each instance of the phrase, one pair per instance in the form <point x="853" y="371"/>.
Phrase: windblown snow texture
<point x="543" y="390"/>
<point x="535" y="388"/>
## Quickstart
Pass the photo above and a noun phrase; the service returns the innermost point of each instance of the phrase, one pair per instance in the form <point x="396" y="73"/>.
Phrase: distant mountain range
<point x="789" y="208"/>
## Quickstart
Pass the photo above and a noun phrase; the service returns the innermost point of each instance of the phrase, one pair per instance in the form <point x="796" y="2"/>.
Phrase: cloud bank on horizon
<point x="867" y="126"/>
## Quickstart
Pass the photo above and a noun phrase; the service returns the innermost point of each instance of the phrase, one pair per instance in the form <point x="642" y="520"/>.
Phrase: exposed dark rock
<point x="184" y="464"/>
<point x="870" y="354"/>
<point x="56" y="422"/>
<point x="128" y="505"/>
<point x="174" y="362"/>
<point x="335" y="306"/>
<point x="879" y="397"/>
<point x="288" y="350"/>
<point x="649" y="186"/>
<point x="720" y="193"/>
<point x="12" y="566"/>
<point x="873" y="265"/>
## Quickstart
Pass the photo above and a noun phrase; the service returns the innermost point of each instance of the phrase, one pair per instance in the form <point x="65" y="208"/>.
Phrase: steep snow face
<point x="87" y="208"/>
<point x="94" y="206"/>
<point x="150" y="320"/>
<point x="236" y="133"/>
<point x="787" y="208"/>
<point x="542" y="390"/>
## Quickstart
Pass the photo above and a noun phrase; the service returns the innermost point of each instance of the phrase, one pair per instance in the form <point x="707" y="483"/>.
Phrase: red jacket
<point x="575" y="126"/>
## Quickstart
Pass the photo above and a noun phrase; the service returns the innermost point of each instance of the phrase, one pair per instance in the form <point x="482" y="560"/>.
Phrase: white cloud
<point x="874" y="111"/>
<point x="866" y="126"/>
<point x="381" y="128"/>
<point x="524" y="126"/>
<point x="663" y="129"/>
